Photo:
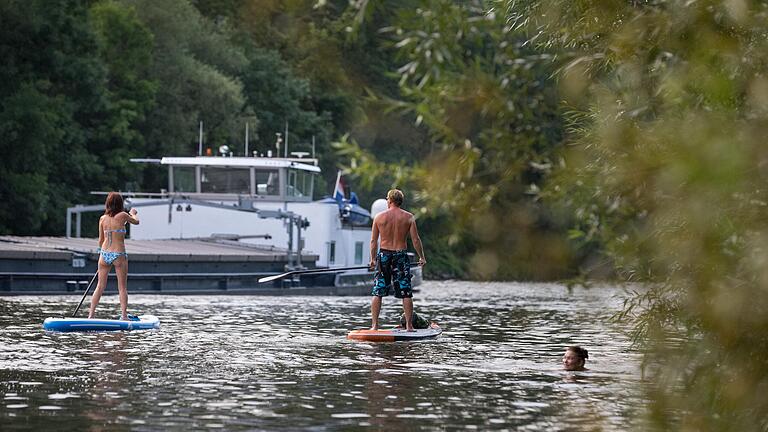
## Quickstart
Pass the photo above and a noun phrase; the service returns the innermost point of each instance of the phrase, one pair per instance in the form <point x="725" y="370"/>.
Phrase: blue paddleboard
<point x="144" y="322"/>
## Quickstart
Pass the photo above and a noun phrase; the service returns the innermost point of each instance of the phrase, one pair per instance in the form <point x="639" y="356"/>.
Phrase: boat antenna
<point x="200" y="140"/>
<point x="246" y="139"/>
<point x="286" y="139"/>
<point x="313" y="146"/>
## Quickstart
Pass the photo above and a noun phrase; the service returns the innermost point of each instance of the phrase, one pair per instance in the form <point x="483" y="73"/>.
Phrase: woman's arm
<point x="133" y="216"/>
<point x="101" y="232"/>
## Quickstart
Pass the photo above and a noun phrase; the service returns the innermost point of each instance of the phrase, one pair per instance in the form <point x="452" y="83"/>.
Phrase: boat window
<point x="267" y="182"/>
<point x="184" y="179"/>
<point x="332" y="253"/>
<point x="299" y="183"/>
<point x="225" y="180"/>
<point x="358" y="252"/>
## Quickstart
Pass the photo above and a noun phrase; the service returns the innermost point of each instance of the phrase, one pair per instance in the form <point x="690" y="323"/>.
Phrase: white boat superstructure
<point x="264" y="201"/>
<point x="253" y="199"/>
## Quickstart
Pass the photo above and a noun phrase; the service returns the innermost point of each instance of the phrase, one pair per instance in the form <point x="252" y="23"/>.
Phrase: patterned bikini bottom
<point x="110" y="257"/>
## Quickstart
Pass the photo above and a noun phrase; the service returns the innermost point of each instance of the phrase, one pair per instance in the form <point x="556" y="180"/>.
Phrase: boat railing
<point x="161" y="194"/>
<point x="295" y="222"/>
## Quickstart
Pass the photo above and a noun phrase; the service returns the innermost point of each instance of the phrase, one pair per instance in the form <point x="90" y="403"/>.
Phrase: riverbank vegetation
<point x="654" y="158"/>
<point x="539" y="139"/>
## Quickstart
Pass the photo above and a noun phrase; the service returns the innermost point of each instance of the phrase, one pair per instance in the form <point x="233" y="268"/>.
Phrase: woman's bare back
<point x="113" y="230"/>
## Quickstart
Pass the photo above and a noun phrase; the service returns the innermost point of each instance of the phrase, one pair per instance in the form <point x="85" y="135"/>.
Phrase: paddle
<point x="85" y="294"/>
<point x="296" y="272"/>
<point x="323" y="270"/>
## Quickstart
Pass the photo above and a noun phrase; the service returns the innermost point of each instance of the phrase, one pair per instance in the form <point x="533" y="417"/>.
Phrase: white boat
<point x="261" y="200"/>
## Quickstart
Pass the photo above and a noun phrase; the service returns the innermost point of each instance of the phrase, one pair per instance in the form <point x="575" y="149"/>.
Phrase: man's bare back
<point x="393" y="225"/>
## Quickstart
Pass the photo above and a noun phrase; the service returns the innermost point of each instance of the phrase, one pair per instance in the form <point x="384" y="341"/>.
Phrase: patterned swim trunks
<point x="394" y="270"/>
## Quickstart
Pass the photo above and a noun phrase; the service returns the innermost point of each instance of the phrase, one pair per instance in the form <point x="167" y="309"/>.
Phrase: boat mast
<point x="246" y="139"/>
<point x="200" y="140"/>
<point x="286" y="140"/>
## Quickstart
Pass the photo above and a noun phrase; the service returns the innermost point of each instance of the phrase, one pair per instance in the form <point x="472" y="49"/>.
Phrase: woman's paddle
<point x="85" y="294"/>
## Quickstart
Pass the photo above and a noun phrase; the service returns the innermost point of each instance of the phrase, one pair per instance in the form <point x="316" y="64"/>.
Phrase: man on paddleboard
<point x="390" y="235"/>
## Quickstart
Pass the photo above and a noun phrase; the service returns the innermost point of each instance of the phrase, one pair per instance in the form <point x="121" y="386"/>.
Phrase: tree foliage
<point x="483" y="95"/>
<point x="195" y="66"/>
<point x="669" y="113"/>
<point x="89" y="85"/>
<point x="662" y="109"/>
<point x="51" y="86"/>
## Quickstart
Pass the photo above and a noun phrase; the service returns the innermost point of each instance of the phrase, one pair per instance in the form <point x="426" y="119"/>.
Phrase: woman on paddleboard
<point x="112" y="250"/>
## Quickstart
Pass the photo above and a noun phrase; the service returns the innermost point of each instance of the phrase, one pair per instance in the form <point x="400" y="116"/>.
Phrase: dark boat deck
<point x="13" y="247"/>
<point x="60" y="265"/>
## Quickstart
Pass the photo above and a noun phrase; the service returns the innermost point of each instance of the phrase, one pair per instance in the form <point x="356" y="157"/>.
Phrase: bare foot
<point x="410" y="329"/>
<point x="376" y="327"/>
<point x="124" y="318"/>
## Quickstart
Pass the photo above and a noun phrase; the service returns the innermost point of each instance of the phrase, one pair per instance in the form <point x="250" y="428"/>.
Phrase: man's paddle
<point x="85" y="294"/>
<point x="323" y="270"/>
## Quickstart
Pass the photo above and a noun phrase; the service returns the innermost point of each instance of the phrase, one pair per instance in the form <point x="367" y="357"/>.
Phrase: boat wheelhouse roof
<point x="242" y="162"/>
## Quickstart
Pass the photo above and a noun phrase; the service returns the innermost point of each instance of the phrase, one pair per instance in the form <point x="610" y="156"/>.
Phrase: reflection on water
<point x="283" y="363"/>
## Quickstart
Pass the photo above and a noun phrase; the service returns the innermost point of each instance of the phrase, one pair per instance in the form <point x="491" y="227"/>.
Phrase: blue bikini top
<point x="109" y="234"/>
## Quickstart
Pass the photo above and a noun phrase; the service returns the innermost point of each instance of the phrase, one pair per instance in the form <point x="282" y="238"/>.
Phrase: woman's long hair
<point x="114" y="204"/>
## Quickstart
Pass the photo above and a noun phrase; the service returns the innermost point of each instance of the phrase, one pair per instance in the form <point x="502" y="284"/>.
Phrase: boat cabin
<point x="268" y="179"/>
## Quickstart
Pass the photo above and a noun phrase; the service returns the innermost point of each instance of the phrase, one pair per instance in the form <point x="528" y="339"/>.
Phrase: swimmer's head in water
<point x="574" y="358"/>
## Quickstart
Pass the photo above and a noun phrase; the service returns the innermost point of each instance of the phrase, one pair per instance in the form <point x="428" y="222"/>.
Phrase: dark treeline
<point x="87" y="85"/>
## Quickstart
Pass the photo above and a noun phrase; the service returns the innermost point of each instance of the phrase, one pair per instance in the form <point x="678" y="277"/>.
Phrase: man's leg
<point x="408" y="311"/>
<point x="375" y="309"/>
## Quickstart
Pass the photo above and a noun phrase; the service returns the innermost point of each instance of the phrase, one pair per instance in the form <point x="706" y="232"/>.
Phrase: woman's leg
<point x="121" y="269"/>
<point x="100" y="285"/>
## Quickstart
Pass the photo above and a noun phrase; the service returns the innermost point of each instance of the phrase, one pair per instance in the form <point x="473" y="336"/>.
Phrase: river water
<point x="283" y="363"/>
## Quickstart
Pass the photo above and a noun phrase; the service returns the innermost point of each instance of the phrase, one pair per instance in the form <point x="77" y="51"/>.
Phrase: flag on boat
<point x="350" y="211"/>
<point x="338" y="191"/>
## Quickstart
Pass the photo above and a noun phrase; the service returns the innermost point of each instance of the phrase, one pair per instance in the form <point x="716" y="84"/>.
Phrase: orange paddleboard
<point x="395" y="334"/>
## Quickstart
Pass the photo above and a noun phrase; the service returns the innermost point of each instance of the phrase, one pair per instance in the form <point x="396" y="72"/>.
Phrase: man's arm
<point x="417" y="242"/>
<point x="374" y="243"/>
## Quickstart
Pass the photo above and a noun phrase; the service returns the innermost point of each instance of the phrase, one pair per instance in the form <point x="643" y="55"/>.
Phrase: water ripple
<point x="283" y="363"/>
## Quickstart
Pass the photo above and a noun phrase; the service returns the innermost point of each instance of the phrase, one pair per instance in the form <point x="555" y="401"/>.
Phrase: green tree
<point x="329" y="68"/>
<point x="51" y="86"/>
<point x="277" y="96"/>
<point x="484" y="96"/>
<point x="664" y="110"/>
<point x="196" y="68"/>
<point x="125" y="48"/>
<point x="667" y="175"/>
<point x="30" y="121"/>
